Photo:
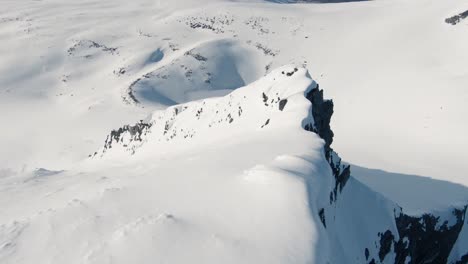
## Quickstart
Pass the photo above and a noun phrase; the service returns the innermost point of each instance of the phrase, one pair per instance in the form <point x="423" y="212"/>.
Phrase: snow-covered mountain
<point x="249" y="177"/>
<point x="396" y="70"/>
<point x="170" y="131"/>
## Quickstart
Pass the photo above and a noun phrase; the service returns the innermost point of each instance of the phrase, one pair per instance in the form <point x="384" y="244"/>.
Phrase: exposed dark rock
<point x="196" y="56"/>
<point x="136" y="132"/>
<point x="322" y="217"/>
<point x="266" y="50"/>
<point x="457" y="18"/>
<point x="130" y="92"/>
<point x="265" y="99"/>
<point x="282" y="104"/>
<point x="322" y="111"/>
<point x="216" y="24"/>
<point x="229" y="118"/>
<point x="426" y="239"/>
<point x="386" y="241"/>
<point x="199" y="112"/>
<point x="91" y="44"/>
<point x="291" y="73"/>
<point x="463" y="260"/>
<point x="266" y="123"/>
<point x="173" y="46"/>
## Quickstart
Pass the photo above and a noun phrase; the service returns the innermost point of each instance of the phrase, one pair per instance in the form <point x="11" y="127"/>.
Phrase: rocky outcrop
<point x="397" y="237"/>
<point x="463" y="259"/>
<point x="126" y="134"/>
<point x="428" y="238"/>
<point x="322" y="111"/>
<point x="422" y="239"/>
<point x="457" y="18"/>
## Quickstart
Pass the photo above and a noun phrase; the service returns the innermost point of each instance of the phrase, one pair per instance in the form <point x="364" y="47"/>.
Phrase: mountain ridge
<point x="408" y="238"/>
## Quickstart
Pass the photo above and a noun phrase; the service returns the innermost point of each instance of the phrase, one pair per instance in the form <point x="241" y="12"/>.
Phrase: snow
<point x="192" y="76"/>
<point x="398" y="58"/>
<point x="223" y="175"/>
<point x="460" y="248"/>
<point x="430" y="194"/>
<point x="170" y="197"/>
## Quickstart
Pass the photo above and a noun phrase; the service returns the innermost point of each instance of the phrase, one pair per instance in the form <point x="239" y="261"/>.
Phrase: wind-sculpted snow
<point x="250" y="177"/>
<point x="257" y="106"/>
<point x="209" y="69"/>
<point x="67" y="69"/>
<point x="381" y="230"/>
<point x="219" y="156"/>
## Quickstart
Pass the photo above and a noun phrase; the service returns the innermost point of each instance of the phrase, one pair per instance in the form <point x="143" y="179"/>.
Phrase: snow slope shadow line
<point x="415" y="193"/>
<point x="206" y="69"/>
<point x="425" y="238"/>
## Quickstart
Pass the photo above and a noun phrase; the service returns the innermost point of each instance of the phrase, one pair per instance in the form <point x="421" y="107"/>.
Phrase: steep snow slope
<point x="245" y="178"/>
<point x="235" y="178"/>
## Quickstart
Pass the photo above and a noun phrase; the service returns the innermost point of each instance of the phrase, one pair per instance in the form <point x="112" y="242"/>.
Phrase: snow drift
<point x="246" y="178"/>
<point x="206" y="70"/>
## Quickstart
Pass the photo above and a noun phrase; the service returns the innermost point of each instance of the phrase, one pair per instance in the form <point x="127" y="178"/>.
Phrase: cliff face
<point x="355" y="222"/>
<point x="428" y="238"/>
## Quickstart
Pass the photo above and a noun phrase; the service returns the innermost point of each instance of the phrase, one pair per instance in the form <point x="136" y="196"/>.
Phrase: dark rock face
<point x="457" y="18"/>
<point x="322" y="111"/>
<point x="463" y="260"/>
<point x="427" y="239"/>
<point x="196" y="56"/>
<point x="386" y="240"/>
<point x="424" y="239"/>
<point x="322" y="217"/>
<point x="265" y="99"/>
<point x="136" y="132"/>
<point x="290" y="73"/>
<point x="282" y="104"/>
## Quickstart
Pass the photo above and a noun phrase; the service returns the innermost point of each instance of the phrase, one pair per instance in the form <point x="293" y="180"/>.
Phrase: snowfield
<point x="240" y="178"/>
<point x="196" y="131"/>
<point x="396" y="70"/>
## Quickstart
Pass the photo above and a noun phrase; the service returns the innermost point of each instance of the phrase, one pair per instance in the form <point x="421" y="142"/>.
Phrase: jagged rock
<point x="457" y="18"/>
<point x="135" y="132"/>
<point x="463" y="260"/>
<point x="404" y="239"/>
<point x="282" y="104"/>
<point x="426" y="239"/>
<point x="322" y="111"/>
<point x="386" y="241"/>
<point x="322" y="217"/>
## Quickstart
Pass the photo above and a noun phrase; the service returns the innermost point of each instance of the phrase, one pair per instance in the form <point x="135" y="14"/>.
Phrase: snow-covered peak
<point x="246" y="178"/>
<point x="276" y="101"/>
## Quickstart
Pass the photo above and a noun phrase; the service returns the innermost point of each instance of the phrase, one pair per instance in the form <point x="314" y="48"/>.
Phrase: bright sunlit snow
<point x="194" y="131"/>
